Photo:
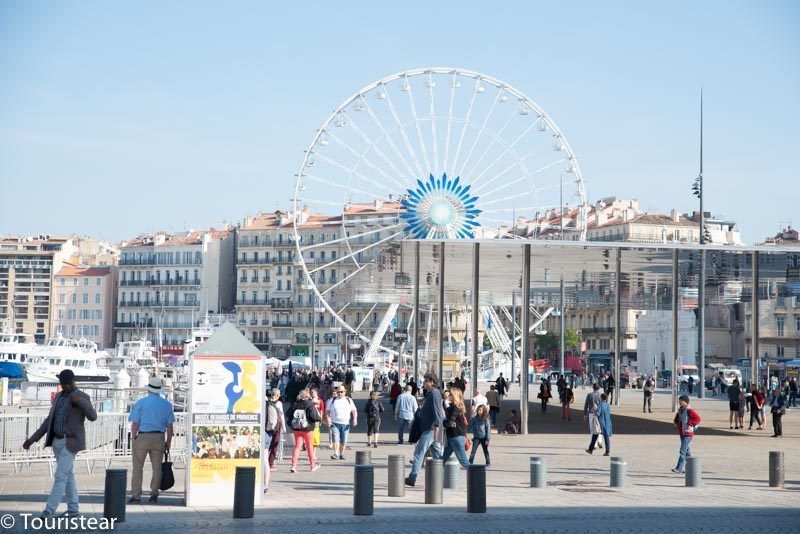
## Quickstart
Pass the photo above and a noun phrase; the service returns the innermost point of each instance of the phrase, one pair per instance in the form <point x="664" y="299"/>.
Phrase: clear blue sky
<point x="123" y="117"/>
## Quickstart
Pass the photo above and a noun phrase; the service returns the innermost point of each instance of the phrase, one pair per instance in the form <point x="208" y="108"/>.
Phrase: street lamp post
<point x="697" y="190"/>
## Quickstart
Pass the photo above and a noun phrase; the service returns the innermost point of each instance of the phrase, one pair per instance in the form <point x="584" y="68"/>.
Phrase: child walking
<point x="481" y="433"/>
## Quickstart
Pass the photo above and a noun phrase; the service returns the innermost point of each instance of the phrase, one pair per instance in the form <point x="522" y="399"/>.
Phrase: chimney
<point x="248" y="220"/>
<point x="674" y="215"/>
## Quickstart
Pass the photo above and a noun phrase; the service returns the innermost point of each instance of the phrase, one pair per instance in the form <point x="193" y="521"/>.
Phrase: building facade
<point x="276" y="305"/>
<point x="27" y="267"/>
<point x="168" y="282"/>
<point x="83" y="306"/>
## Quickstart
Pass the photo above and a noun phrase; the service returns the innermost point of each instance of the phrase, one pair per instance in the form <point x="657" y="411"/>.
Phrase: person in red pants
<point x="303" y="415"/>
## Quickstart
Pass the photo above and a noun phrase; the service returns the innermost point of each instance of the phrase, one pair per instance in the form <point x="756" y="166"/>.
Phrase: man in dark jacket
<point x="65" y="433"/>
<point x="430" y="423"/>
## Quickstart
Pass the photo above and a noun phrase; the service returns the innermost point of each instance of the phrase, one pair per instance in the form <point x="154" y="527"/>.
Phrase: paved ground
<point x="735" y="497"/>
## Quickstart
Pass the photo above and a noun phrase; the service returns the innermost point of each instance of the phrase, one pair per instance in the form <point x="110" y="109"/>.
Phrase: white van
<point x="728" y="375"/>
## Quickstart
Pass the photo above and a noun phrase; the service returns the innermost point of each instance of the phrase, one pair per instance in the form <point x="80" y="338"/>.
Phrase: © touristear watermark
<point x="77" y="523"/>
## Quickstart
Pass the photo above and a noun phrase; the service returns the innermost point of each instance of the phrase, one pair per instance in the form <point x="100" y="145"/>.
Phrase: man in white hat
<point x="151" y="432"/>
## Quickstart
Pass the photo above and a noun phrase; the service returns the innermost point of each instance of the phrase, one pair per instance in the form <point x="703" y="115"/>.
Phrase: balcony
<point x="133" y="282"/>
<point x="252" y="302"/>
<point x="281" y="303"/>
<point x="282" y="324"/>
<point x="597" y="330"/>
<point x="282" y="294"/>
<point x="179" y="281"/>
<point x="253" y="261"/>
<point x="301" y="338"/>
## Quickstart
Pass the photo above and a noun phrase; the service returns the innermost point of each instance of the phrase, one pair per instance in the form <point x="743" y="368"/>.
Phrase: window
<point x="62" y="298"/>
<point x="85" y="281"/>
<point x="98" y="281"/>
<point x="74" y="298"/>
<point x="97" y="314"/>
<point x="95" y="330"/>
<point x="71" y="313"/>
<point x="74" y="280"/>
<point x="84" y="314"/>
<point x="60" y="313"/>
<point x="780" y="323"/>
<point x="280" y="285"/>
<point x="63" y="281"/>
<point x="97" y="298"/>
<point x="797" y="323"/>
<point x="780" y="350"/>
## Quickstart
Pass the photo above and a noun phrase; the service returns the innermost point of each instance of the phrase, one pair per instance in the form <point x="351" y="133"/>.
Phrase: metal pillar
<point x="476" y="272"/>
<point x="755" y="346"/>
<point x="440" y="370"/>
<point x="617" y="325"/>
<point x="526" y="324"/>
<point x="701" y="322"/>
<point x="561" y="317"/>
<point x="674" y="382"/>
<point x="777" y="478"/>
<point x="513" y="336"/>
<point x="416" y="310"/>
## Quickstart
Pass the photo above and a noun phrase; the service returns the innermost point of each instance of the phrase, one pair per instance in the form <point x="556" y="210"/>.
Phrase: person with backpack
<point x="544" y="393"/>
<point x="274" y="427"/>
<point x="320" y="404"/>
<point x="481" y="433"/>
<point x="373" y="411"/>
<point x="430" y="423"/>
<point x="686" y="421"/>
<point x="303" y="415"/>
<point x="340" y="412"/>
<point x="567" y="398"/>
<point x="733" y="403"/>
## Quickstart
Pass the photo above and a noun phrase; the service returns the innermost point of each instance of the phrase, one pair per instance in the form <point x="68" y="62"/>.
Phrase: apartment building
<point x="83" y="306"/>
<point x="168" y="282"/>
<point x="27" y="266"/>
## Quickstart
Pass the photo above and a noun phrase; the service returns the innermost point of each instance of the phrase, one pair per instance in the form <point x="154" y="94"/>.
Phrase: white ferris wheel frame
<point x="479" y="78"/>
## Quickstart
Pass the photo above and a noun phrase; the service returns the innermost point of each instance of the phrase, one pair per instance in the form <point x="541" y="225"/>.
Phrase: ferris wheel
<point x="431" y="153"/>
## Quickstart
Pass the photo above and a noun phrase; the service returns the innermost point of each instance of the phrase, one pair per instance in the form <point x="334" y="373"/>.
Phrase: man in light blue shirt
<point x="151" y="432"/>
<point x="404" y="410"/>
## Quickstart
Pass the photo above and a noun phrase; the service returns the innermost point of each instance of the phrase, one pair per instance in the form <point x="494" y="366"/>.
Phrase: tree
<point x="571" y="339"/>
<point x="547" y="342"/>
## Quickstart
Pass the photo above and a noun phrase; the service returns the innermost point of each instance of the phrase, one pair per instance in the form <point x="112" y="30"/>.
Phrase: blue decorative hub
<point x="440" y="209"/>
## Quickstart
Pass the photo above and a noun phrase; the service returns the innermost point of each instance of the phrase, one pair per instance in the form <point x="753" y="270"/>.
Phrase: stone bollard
<point x="476" y="489"/>
<point x="363" y="457"/>
<point x="619" y="472"/>
<point x="114" y="498"/>
<point x="433" y="481"/>
<point x="244" y="492"/>
<point x="364" y="489"/>
<point x="538" y="472"/>
<point x="452" y="474"/>
<point x="694" y="472"/>
<point x="776" y="470"/>
<point x="397" y="487"/>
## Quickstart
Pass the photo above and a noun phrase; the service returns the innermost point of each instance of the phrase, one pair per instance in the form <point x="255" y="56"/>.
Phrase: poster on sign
<point x="226" y="403"/>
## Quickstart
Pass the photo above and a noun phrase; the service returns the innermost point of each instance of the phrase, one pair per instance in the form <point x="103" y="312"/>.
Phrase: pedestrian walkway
<point x="736" y="496"/>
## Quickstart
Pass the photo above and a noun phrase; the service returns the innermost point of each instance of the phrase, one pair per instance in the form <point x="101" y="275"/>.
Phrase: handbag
<point x="467" y="444"/>
<point x="167" y="477"/>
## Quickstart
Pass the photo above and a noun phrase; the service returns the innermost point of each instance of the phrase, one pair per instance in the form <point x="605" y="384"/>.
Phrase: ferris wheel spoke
<point x="495" y="137"/>
<point x="435" y="141"/>
<point x="345" y="278"/>
<point x="498" y="158"/>
<point x="350" y="237"/>
<point x="527" y="175"/>
<point x="366" y="317"/>
<point x="466" y="123"/>
<point x="478" y="134"/>
<point x="403" y="135"/>
<point x="420" y="137"/>
<point x="321" y="202"/>
<point x="505" y="199"/>
<point x="352" y="172"/>
<point x="522" y="160"/>
<point x="521" y="209"/>
<point x="381" y="153"/>
<point x="354" y="253"/>
<point x="367" y="161"/>
<point x="449" y="121"/>
<point x="345" y="187"/>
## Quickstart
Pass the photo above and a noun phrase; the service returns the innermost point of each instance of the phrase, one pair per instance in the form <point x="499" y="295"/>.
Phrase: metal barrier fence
<point x="107" y="438"/>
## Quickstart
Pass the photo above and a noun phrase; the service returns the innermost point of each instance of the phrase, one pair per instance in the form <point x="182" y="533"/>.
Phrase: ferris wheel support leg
<point x="440" y="370"/>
